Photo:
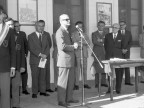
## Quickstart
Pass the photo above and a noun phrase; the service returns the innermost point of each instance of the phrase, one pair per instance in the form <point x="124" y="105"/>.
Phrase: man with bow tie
<point x="126" y="49"/>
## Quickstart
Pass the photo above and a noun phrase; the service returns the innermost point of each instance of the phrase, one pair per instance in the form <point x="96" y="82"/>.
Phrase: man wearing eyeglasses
<point x="126" y="49"/>
<point x="65" y="62"/>
<point x="113" y="47"/>
<point x="7" y="60"/>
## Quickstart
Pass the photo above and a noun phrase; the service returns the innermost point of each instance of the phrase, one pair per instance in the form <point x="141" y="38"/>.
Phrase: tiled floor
<point x="127" y="99"/>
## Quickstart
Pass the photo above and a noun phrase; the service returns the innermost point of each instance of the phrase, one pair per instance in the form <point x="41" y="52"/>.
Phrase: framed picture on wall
<point x="104" y="13"/>
<point x="27" y="11"/>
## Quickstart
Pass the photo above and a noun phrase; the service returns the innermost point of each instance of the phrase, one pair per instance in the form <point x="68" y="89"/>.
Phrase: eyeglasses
<point x="66" y="19"/>
<point x="115" y="27"/>
<point x="122" y="25"/>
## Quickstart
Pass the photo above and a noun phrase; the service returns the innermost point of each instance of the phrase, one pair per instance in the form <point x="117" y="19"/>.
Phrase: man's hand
<point x="124" y="51"/>
<point x="75" y="45"/>
<point x="43" y="56"/>
<point x="99" y="40"/>
<point x="12" y="72"/>
<point x="22" y="70"/>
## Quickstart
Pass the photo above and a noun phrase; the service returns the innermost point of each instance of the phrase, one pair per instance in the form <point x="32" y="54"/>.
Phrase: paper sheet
<point x="42" y="63"/>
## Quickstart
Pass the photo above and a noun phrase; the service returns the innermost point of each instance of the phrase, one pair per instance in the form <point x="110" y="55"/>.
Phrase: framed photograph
<point x="27" y="11"/>
<point x="104" y="13"/>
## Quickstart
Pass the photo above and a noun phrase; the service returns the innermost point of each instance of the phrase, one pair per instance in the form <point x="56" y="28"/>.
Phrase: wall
<point x="45" y="12"/>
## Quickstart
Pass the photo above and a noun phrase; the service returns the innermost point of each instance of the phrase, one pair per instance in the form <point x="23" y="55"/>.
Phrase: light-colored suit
<point x="76" y="38"/>
<point x="38" y="74"/>
<point x="65" y="63"/>
<point x="98" y="48"/>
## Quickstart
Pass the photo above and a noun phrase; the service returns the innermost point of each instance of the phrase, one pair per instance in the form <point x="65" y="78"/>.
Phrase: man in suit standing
<point x="7" y="60"/>
<point x="24" y="75"/>
<point x="98" y="48"/>
<point x="20" y="68"/>
<point x="39" y="50"/>
<point x="76" y="38"/>
<point x="65" y="62"/>
<point x="126" y="49"/>
<point x="113" y="47"/>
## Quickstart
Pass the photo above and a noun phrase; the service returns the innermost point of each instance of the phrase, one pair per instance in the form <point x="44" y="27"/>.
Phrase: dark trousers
<point x="119" y="76"/>
<point x="38" y="79"/>
<point x="127" y="70"/>
<point x="48" y="73"/>
<point x="16" y="81"/>
<point x="24" y="77"/>
<point x="65" y="84"/>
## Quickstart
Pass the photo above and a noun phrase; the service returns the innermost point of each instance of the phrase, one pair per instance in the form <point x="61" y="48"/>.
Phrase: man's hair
<point x="78" y="22"/>
<point x="122" y="22"/>
<point x="15" y="21"/>
<point x="100" y="23"/>
<point x="41" y="21"/>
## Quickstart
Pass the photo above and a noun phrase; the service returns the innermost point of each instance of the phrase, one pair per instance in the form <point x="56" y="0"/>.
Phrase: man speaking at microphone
<point x="76" y="37"/>
<point x="65" y="62"/>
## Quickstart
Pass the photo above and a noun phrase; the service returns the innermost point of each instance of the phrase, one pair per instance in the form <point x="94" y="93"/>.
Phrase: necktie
<point x="114" y="37"/>
<point x="40" y="39"/>
<point x="123" y="32"/>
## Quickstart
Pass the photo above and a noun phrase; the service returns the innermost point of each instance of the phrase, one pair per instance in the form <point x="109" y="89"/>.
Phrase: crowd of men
<point x="70" y="58"/>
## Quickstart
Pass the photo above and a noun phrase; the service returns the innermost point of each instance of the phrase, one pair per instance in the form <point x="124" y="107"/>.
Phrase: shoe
<point x="87" y="86"/>
<point x="76" y="87"/>
<point x="16" y="107"/>
<point x="73" y="101"/>
<point x="25" y="92"/>
<point x="104" y="85"/>
<point x="130" y="84"/>
<point x="63" y="104"/>
<point x="142" y="82"/>
<point x="56" y="89"/>
<point x="44" y="94"/>
<point x="50" y="90"/>
<point x="118" y="92"/>
<point x="34" y="96"/>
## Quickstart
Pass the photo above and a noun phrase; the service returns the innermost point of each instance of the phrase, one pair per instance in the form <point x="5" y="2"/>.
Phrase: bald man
<point x="113" y="47"/>
<point x="65" y="62"/>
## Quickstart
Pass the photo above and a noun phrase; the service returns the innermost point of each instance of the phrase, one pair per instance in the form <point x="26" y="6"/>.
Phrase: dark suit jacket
<point x="20" y="52"/>
<point x="127" y="37"/>
<point x="8" y="53"/>
<point x="65" y="48"/>
<point x="23" y="35"/>
<point x="113" y="48"/>
<point x="35" y="48"/>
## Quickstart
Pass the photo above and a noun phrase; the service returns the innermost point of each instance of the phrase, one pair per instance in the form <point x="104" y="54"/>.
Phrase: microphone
<point x="79" y="29"/>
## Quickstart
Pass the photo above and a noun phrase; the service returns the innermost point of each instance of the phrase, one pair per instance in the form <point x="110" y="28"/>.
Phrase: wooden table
<point x="112" y="64"/>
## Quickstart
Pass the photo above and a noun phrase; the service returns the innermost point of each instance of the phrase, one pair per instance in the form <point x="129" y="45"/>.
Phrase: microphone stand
<point x="83" y="103"/>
